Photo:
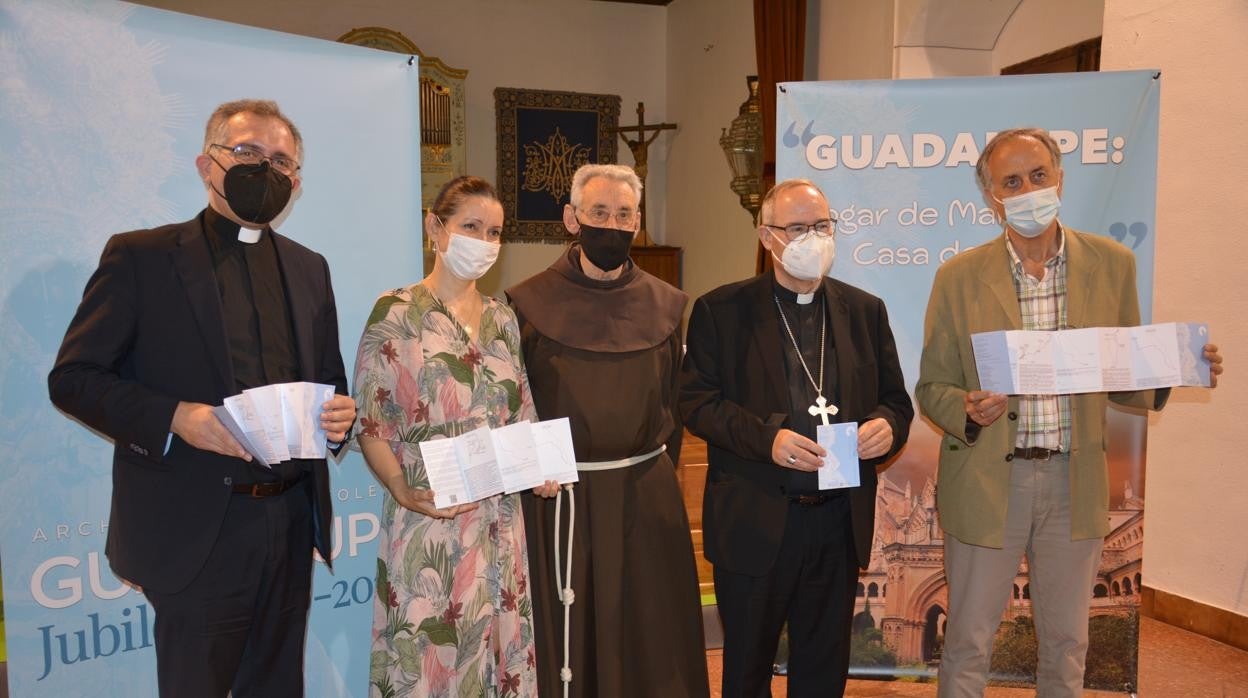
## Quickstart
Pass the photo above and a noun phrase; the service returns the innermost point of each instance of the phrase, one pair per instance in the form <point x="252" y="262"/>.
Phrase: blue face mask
<point x="1031" y="214"/>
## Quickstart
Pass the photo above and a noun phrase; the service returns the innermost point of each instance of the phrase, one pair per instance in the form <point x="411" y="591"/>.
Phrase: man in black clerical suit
<point x="173" y="321"/>
<point x="763" y="355"/>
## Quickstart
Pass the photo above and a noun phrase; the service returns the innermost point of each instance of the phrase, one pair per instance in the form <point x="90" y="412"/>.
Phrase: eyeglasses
<point x="798" y="231"/>
<point x="601" y="216"/>
<point x="249" y="155"/>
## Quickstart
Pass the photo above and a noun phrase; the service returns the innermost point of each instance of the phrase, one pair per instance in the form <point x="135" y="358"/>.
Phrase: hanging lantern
<point x="743" y="146"/>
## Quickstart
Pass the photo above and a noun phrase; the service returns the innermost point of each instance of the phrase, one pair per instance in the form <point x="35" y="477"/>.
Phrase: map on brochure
<point x="840" y="466"/>
<point x="278" y="422"/>
<point x="1093" y="359"/>
<point x="485" y="462"/>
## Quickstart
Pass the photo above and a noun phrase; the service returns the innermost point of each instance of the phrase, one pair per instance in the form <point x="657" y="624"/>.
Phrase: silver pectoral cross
<point x="822" y="409"/>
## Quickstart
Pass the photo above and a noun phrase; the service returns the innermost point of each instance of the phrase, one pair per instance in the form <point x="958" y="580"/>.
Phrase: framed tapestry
<point x="543" y="137"/>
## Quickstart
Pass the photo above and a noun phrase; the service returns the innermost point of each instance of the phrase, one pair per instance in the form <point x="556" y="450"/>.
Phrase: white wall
<point x="575" y="45"/>
<point x="936" y="62"/>
<point x="853" y="40"/>
<point x="1038" y="27"/>
<point x="710" y="51"/>
<point x="1197" y="479"/>
<point x="942" y="38"/>
<point x="945" y="38"/>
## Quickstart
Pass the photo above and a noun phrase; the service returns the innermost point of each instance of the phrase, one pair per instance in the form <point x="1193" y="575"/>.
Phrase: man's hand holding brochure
<point x="1095" y="359"/>
<point x="278" y="422"/>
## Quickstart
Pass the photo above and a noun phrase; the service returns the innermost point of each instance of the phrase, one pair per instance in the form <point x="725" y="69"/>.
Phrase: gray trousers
<point x="1061" y="574"/>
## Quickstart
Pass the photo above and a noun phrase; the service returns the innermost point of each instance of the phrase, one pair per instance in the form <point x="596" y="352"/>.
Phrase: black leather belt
<point x="1035" y="453"/>
<point x="810" y="500"/>
<point x="265" y="489"/>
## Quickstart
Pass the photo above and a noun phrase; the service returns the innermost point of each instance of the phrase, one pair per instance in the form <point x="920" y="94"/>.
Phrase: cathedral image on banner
<point x="902" y="599"/>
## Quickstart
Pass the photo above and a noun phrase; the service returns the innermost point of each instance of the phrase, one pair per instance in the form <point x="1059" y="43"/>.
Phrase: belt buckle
<point x="1042" y="454"/>
<point x="260" y="490"/>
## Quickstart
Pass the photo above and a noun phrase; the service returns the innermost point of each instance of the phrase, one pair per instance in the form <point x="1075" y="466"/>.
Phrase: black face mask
<point x="607" y="248"/>
<point x="256" y="193"/>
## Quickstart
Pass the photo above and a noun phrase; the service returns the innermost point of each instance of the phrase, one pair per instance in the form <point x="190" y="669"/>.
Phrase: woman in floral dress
<point x="452" y="615"/>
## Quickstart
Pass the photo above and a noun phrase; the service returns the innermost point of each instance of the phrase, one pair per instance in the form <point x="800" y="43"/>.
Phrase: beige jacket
<point x="974" y="292"/>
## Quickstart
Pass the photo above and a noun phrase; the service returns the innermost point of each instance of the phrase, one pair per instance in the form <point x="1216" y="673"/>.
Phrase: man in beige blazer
<point x="1023" y="474"/>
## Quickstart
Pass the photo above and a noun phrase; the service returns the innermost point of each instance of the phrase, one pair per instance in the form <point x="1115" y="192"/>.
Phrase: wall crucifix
<point x="639" y="148"/>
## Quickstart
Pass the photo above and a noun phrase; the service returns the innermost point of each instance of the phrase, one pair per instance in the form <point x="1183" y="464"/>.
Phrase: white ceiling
<point x="967" y="24"/>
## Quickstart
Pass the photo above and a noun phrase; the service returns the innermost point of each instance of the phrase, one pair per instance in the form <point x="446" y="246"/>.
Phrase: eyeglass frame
<point x="273" y="159"/>
<point x="807" y="229"/>
<point x="607" y="216"/>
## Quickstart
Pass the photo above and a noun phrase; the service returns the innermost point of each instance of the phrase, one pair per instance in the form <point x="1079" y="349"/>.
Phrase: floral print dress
<point x="452" y="615"/>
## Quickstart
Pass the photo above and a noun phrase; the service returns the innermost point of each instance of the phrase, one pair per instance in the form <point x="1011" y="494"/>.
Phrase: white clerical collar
<point x="249" y="235"/>
<point x="805" y="298"/>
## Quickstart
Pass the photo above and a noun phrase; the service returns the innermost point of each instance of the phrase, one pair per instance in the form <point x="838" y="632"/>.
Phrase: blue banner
<point x="104" y="105"/>
<point x="896" y="160"/>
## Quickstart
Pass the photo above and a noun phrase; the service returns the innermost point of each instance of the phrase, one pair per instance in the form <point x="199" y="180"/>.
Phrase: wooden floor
<point x="1173" y="664"/>
<point x="691" y="473"/>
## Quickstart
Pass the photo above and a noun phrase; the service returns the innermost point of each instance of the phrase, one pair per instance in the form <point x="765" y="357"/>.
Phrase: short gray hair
<point x="218" y="123"/>
<point x="618" y="173"/>
<point x="769" y="200"/>
<point x="984" y="178"/>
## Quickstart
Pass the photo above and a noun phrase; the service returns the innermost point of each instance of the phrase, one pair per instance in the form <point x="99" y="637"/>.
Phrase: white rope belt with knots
<point x="566" y="594"/>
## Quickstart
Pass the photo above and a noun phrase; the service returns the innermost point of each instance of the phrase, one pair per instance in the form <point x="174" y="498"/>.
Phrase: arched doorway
<point x="862" y="621"/>
<point x="933" y="633"/>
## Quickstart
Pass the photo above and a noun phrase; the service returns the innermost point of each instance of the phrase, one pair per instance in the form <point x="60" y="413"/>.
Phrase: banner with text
<point x="104" y="110"/>
<point x="897" y="162"/>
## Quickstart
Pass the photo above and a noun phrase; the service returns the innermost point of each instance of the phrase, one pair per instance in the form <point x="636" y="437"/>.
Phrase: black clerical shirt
<point x="258" y="329"/>
<point x="807" y="323"/>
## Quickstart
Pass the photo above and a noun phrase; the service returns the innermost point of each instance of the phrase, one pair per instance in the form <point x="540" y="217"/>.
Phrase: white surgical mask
<point x="469" y="258"/>
<point x="1031" y="214"/>
<point x="809" y="258"/>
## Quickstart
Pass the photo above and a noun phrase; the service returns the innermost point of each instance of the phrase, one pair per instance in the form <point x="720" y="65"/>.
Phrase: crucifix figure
<point x="639" y="148"/>
<point x="823" y="410"/>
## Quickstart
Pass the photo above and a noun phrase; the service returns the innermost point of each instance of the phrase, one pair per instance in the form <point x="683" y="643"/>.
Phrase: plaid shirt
<point x="1043" y="420"/>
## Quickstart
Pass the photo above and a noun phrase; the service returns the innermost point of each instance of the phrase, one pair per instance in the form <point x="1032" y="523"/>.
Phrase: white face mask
<point x="809" y="258"/>
<point x="469" y="258"/>
<point x="1031" y="214"/>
